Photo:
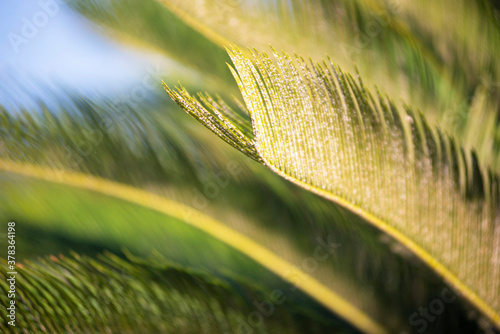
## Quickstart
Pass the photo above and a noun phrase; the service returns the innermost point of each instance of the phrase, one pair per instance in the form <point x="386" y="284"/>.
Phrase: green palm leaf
<point x="173" y="230"/>
<point x="280" y="218"/>
<point x="154" y="163"/>
<point x="407" y="54"/>
<point x="151" y="25"/>
<point x="49" y="204"/>
<point x="318" y="128"/>
<point x="110" y="294"/>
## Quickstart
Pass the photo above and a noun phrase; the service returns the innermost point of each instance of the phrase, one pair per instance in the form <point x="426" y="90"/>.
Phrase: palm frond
<point x="110" y="294"/>
<point x="150" y="24"/>
<point x="160" y="152"/>
<point x="317" y="127"/>
<point x="174" y="230"/>
<point x="392" y="44"/>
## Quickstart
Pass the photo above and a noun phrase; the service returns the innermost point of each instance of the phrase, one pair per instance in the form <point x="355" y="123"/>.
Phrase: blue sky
<point x="44" y="41"/>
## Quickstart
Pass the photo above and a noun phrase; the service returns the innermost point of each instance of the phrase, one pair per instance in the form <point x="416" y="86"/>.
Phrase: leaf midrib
<point x="422" y="254"/>
<point x="250" y="248"/>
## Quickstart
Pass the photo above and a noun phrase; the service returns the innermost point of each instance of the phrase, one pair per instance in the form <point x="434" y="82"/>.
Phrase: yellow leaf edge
<point x="238" y="241"/>
<point x="423" y="255"/>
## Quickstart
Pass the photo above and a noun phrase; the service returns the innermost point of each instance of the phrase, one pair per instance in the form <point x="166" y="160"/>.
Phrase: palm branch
<point x="85" y="175"/>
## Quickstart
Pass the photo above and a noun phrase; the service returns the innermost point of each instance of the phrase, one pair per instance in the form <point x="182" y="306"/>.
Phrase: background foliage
<point x="101" y="161"/>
